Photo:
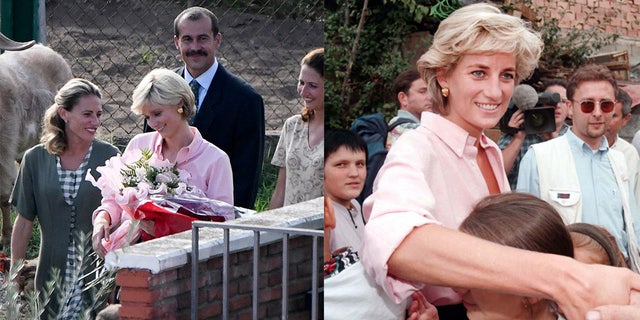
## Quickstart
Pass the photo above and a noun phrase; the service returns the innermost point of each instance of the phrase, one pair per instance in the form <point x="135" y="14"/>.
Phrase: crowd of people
<point x="533" y="226"/>
<point x="204" y="122"/>
<point x="536" y="225"/>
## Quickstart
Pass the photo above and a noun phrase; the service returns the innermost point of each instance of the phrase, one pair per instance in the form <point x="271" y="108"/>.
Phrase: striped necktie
<point x="195" y="87"/>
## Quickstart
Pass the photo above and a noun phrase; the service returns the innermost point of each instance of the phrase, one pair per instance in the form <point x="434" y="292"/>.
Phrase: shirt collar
<point x="564" y="129"/>
<point x="204" y="79"/>
<point x="408" y="115"/>
<point x="352" y="209"/>
<point x="456" y="138"/>
<point x="574" y="140"/>
<point x="615" y="142"/>
<point x="195" y="143"/>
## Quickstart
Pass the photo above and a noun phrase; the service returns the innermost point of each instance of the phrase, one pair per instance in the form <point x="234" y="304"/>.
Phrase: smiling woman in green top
<point x="51" y="186"/>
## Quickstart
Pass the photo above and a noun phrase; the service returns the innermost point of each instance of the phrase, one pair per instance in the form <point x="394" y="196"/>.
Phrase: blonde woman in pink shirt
<point x="434" y="175"/>
<point x="167" y="102"/>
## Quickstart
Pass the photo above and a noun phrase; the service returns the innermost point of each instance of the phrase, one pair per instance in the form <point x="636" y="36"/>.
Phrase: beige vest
<point x="560" y="187"/>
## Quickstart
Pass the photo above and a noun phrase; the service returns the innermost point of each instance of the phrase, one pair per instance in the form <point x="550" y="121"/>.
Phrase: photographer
<point x="514" y="144"/>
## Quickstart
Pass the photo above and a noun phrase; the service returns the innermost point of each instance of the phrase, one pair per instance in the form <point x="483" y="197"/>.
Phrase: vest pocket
<point x="565" y="198"/>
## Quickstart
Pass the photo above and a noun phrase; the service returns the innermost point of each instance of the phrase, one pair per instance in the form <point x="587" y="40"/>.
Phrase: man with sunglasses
<point x="577" y="173"/>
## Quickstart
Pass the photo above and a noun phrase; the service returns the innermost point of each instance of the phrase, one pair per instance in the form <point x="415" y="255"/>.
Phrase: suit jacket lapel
<point x="211" y="104"/>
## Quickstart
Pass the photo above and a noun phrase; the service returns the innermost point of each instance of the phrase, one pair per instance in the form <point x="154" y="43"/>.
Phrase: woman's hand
<point x="616" y="312"/>
<point x="101" y="227"/>
<point x="604" y="286"/>
<point x="421" y="309"/>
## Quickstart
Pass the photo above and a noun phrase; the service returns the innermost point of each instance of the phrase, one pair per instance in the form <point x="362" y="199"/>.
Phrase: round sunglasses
<point x="587" y="106"/>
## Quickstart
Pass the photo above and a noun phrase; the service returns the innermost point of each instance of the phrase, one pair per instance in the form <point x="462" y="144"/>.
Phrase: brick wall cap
<point x="174" y="251"/>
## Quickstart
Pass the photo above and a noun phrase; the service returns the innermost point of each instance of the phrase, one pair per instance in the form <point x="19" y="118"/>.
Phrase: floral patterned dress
<point x="304" y="165"/>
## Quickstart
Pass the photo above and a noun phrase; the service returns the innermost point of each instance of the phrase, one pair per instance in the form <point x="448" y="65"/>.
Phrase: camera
<point x="538" y="117"/>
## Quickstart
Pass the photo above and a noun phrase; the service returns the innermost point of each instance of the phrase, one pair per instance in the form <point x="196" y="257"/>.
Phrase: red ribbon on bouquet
<point x="167" y="221"/>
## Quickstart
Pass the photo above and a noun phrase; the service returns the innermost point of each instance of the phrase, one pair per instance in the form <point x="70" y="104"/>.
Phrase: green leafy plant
<point x="269" y="178"/>
<point x="364" y="53"/>
<point x="31" y="304"/>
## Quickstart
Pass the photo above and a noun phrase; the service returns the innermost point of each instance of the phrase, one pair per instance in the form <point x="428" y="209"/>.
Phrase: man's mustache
<point x="197" y="52"/>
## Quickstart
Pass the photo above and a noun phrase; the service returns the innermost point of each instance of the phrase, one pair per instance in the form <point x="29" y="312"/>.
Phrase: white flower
<point x="141" y="174"/>
<point x="161" y="189"/>
<point x="165" y="177"/>
<point x="128" y="178"/>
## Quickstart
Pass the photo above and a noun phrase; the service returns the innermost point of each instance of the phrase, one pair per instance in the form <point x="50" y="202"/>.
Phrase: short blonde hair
<point x="164" y="87"/>
<point x="478" y="29"/>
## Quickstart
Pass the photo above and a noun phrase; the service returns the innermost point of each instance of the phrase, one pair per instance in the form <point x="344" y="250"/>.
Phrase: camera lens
<point x="536" y="120"/>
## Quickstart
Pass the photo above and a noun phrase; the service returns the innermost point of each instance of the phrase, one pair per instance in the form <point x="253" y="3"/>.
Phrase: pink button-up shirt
<point x="208" y="165"/>
<point x="430" y="176"/>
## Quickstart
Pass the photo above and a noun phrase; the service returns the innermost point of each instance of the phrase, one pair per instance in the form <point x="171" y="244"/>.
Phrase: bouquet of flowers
<point x="147" y="188"/>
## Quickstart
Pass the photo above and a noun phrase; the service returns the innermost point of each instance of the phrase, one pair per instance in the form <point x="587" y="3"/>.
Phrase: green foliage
<point x="269" y="179"/>
<point x="31" y="305"/>
<point x="377" y="58"/>
<point x="33" y="246"/>
<point x="147" y="57"/>
<point x="419" y="11"/>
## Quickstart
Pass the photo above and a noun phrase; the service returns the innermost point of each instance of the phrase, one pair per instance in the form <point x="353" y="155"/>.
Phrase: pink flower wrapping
<point x="132" y="179"/>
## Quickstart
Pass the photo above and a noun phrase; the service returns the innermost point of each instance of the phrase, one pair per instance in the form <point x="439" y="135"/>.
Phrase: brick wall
<point x="577" y="11"/>
<point x="166" y="295"/>
<point x="155" y="276"/>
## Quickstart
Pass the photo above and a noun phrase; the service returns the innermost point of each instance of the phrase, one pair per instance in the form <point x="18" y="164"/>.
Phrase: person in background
<point x="229" y="112"/>
<point x="51" y="187"/>
<point x="345" y="168"/>
<point x="435" y="174"/>
<point x="594" y="244"/>
<point x="167" y="103"/>
<point x="620" y="117"/>
<point x="514" y="146"/>
<point x="516" y="220"/>
<point x="299" y="153"/>
<point x="577" y="173"/>
<point x="412" y="98"/>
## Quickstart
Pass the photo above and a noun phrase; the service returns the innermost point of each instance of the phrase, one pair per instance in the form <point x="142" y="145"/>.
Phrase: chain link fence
<point x="114" y="43"/>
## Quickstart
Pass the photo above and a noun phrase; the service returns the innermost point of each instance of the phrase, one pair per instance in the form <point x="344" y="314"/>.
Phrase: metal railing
<point x="286" y="233"/>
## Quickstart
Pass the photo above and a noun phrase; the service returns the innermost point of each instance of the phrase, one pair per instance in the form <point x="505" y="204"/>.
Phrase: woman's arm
<point x="101" y="228"/>
<point x="277" y="198"/>
<point x="454" y="259"/>
<point x="22" y="230"/>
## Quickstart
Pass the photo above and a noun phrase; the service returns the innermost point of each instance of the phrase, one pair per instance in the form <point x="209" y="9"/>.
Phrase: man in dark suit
<point x="230" y="113"/>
